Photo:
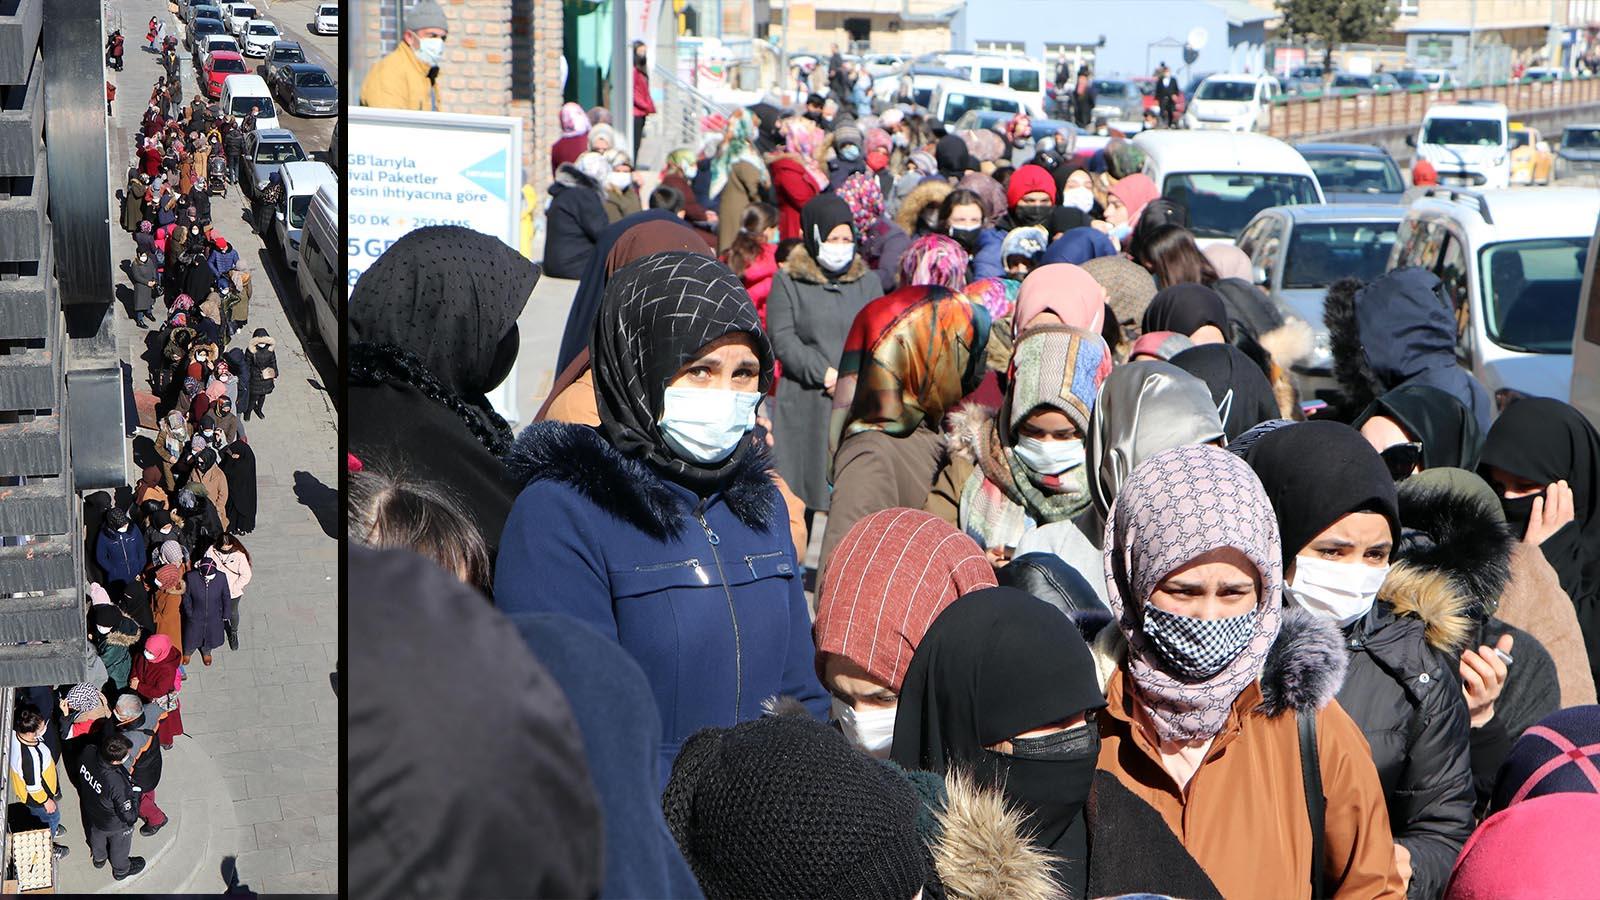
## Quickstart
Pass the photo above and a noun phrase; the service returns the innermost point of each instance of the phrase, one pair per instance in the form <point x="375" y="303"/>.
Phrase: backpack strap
<point x="1316" y="803"/>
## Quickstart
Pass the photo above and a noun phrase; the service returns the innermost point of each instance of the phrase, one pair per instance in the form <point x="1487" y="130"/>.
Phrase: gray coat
<point x="142" y="274"/>
<point x="808" y="317"/>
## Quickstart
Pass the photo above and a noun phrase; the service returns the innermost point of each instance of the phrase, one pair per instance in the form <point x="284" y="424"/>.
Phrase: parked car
<point x="301" y="180"/>
<point x="1468" y="143"/>
<point x="319" y="270"/>
<point x="1347" y="83"/>
<point x="258" y="36"/>
<point x="1531" y="159"/>
<point x="218" y="67"/>
<point x="1542" y="73"/>
<point x="279" y="55"/>
<point x="265" y="151"/>
<point x="201" y="11"/>
<point x="237" y="15"/>
<point x="306" y="90"/>
<point x="1232" y="103"/>
<point x="885" y="65"/>
<point x="1512" y="263"/>
<point x="1020" y="73"/>
<point x="1223" y="179"/>
<point x="327" y="19"/>
<point x="1579" y="150"/>
<point x="1296" y="252"/>
<point x="1355" y="173"/>
<point x="951" y="100"/>
<point x="205" y="44"/>
<point x="1426" y="79"/>
<point x="1117" y="100"/>
<point x="1586" y="338"/>
<point x="200" y="28"/>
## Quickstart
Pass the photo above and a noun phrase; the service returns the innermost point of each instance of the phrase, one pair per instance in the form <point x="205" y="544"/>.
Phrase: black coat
<point x="1531" y="692"/>
<point x="262" y="356"/>
<point x="1405" y="695"/>
<point x="105" y="791"/>
<point x="1148" y="858"/>
<point x="238" y="463"/>
<point x="573" y="223"/>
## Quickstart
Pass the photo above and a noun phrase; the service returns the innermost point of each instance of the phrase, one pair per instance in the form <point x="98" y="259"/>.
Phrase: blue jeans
<point x="51" y="819"/>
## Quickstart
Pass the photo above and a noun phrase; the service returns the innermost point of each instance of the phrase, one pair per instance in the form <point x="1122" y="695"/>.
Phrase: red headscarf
<point x="1423" y="173"/>
<point x="1538" y="848"/>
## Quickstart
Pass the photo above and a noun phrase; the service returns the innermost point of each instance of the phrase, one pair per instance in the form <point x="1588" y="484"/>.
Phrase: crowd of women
<point x="1097" y="609"/>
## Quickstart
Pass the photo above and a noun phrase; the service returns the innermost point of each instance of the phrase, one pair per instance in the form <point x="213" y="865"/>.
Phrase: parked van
<point x="1223" y="179"/>
<point x="240" y="92"/>
<point x="1232" y="102"/>
<point x="953" y="99"/>
<point x="1469" y="144"/>
<point x="1586" y="338"/>
<point x="300" y="183"/>
<point x="1011" y="70"/>
<point x="318" y="269"/>
<point x="1512" y="264"/>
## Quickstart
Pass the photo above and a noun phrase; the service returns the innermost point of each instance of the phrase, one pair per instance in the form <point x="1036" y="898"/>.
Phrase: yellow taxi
<point x="1531" y="158"/>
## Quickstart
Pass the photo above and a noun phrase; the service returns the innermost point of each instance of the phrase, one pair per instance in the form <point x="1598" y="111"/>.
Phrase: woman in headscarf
<point x="1078" y="246"/>
<point x="822" y="287"/>
<point x="238" y="464"/>
<point x="1339" y="518"/>
<point x="1002" y="686"/>
<point x="433" y="328"/>
<point x="576" y="215"/>
<point x="1060" y="294"/>
<point x="882" y="242"/>
<point x="1125" y="200"/>
<point x="953" y="157"/>
<point x="1208" y="678"/>
<point x="1543" y="459"/>
<point x="1192" y="310"/>
<point x="689" y="565"/>
<point x="796" y="174"/>
<point x="934" y="260"/>
<point x="909" y="358"/>
<point x="574" y="138"/>
<point x="921" y="209"/>
<point x="873" y="608"/>
<point x="968" y="218"/>
<point x="1023" y="467"/>
<point x="1416" y="427"/>
<point x="1243" y="396"/>
<point x="155" y="677"/>
<point x="738" y="176"/>
<point x="679" y="173"/>
<point x="1023" y="250"/>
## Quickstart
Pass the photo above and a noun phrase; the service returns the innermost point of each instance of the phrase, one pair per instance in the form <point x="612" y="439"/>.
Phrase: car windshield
<point x="1356" y="174"/>
<point x="1221" y="203"/>
<point x="241" y="107"/>
<point x="1408" y="78"/>
<point x="1351" y="81"/>
<point x="313" y="79"/>
<point x="243" y="12"/>
<point x="1227" y="90"/>
<point x="1481" y="132"/>
<point x="1587" y="138"/>
<point x="288" y="55"/>
<point x="297" y="210"/>
<point x="1519" y="139"/>
<point x="264" y="29"/>
<point x="227" y="65"/>
<point x="1321" y="253"/>
<point x="279" y="152"/>
<point x="207" y="26"/>
<point x="1530" y="292"/>
<point x="1111" y="88"/>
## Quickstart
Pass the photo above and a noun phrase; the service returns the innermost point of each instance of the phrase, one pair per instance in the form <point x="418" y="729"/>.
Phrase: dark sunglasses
<point x="1402" y="459"/>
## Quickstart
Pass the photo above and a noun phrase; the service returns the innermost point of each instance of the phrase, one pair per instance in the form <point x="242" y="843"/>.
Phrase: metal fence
<point x="1298" y="118"/>
<point x="680" y="118"/>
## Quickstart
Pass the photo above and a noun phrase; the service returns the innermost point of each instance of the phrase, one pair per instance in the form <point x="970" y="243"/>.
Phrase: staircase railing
<point x="678" y="119"/>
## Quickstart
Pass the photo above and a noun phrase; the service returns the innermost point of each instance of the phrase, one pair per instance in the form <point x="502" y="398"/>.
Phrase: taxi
<point x="1531" y="158"/>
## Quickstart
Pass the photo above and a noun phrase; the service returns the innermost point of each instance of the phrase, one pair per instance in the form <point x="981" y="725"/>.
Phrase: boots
<point x="233" y="636"/>
<point x="205" y="658"/>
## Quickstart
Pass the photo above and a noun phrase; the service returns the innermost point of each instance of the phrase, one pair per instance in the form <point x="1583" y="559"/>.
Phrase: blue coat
<point x="203" y="607"/>
<point x="986" y="263"/>
<point x="121" y="555"/>
<point x="711" y="606"/>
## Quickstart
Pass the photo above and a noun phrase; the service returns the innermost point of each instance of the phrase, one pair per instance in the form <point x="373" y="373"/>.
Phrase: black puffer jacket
<point x="1403" y="691"/>
<point x="573" y="223"/>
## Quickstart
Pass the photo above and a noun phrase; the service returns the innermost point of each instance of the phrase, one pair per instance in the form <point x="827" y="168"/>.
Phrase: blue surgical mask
<point x="705" y="425"/>
<point x="1196" y="649"/>
<point x="899" y="139"/>
<point x="1050" y="457"/>
<point x="1121" y="233"/>
<point x="849" y="153"/>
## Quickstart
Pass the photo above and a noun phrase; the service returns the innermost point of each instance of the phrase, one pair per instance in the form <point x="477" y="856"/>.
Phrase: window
<point x="1356" y="174"/>
<point x="1000" y="47"/>
<point x="1452" y="271"/>
<point x="1585" y="138"/>
<point x="957" y="105"/>
<point x="313" y="79"/>
<point x="1026" y="80"/>
<point x="1262" y="241"/>
<point x="1475" y="132"/>
<point x="1221" y="203"/>
<point x="1530" y="292"/>
<point x="228" y="66"/>
<point x="991" y="75"/>
<point x="297" y="210"/>
<point x="1111" y="88"/>
<point x="1234" y="91"/>
<point x="243" y="12"/>
<point x="241" y="107"/>
<point x="1322" y="253"/>
<point x="279" y="152"/>
<point x="264" y="28"/>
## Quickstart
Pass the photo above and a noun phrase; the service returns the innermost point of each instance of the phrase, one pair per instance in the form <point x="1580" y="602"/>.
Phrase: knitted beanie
<point x="1028" y="179"/>
<point x="1129" y="288"/>
<point x="847" y="134"/>
<point x="1560" y="755"/>
<point x="783" y="806"/>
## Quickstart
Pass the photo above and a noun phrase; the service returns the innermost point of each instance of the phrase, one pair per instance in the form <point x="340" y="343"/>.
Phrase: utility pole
<point x="1472" y="39"/>
<point x="783" y="55"/>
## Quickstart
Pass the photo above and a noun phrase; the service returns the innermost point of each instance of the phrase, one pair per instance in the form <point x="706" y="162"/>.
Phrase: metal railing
<point x="678" y="120"/>
<point x="1297" y="118"/>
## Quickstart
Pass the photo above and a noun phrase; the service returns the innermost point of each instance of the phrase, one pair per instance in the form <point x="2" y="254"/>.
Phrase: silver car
<point x="1579" y="152"/>
<point x="265" y="152"/>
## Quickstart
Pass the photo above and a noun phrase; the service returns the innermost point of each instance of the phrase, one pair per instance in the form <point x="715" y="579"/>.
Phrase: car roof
<point x="208" y="38"/>
<point x="1517" y="215"/>
<point x="287" y="44"/>
<point x="309" y="172"/>
<point x="261" y="22"/>
<point x="275" y="135"/>
<point x="1582" y="125"/>
<point x="1235" y="76"/>
<point x="1178" y="150"/>
<point x="1343" y="212"/>
<point x="1467" y="111"/>
<point x="1343" y="149"/>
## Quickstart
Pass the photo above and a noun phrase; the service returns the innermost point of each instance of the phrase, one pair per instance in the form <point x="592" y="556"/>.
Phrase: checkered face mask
<point x="1196" y="649"/>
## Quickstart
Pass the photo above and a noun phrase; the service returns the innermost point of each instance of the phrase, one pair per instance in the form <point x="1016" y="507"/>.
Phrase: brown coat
<point x="1534" y="601"/>
<point x="216" y="485"/>
<point x="166" y="602"/>
<point x="743" y="188"/>
<point x="874" y="471"/>
<point x="576" y="405"/>
<point x="1243" y="814"/>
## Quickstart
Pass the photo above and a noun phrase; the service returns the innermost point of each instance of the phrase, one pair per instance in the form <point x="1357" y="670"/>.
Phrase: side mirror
<point x="1411" y="140"/>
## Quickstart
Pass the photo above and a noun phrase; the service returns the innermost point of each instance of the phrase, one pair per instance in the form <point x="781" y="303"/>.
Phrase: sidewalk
<point x="255" y="775"/>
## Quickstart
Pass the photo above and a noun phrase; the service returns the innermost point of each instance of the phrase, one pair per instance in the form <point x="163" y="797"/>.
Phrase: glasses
<point x="1402" y="459"/>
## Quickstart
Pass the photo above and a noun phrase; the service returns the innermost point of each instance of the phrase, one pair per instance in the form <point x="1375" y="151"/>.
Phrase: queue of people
<point x="1099" y="607"/>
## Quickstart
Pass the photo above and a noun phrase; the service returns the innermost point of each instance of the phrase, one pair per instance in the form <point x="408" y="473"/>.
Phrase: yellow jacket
<point x="47" y="786"/>
<point x="399" y="81"/>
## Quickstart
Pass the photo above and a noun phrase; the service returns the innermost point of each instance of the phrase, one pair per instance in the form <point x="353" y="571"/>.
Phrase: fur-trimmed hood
<point x="1429" y="596"/>
<point x="965" y="428"/>
<point x="801" y="267"/>
<point x="982" y="850"/>
<point x="569" y="176"/>
<point x="1291" y="342"/>
<point x="1458" y="537"/>
<point x="1410" y="330"/>
<point x="263" y="343"/>
<point x="579" y="457"/>
<point x="928" y="193"/>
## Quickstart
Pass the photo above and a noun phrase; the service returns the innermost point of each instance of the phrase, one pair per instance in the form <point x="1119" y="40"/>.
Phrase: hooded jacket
<point x="928" y="193"/>
<point x="1402" y="691"/>
<point x="704" y="593"/>
<point x="121" y="554"/>
<point x="1250" y="784"/>
<point x="1398" y="329"/>
<point x="573" y="223"/>
<point x="263" y="355"/>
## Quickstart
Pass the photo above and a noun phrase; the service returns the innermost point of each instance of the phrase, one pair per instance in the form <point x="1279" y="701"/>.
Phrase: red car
<point x="219" y="66"/>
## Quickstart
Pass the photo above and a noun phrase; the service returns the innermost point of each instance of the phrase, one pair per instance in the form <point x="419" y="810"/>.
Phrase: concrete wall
<point x="1393" y="139"/>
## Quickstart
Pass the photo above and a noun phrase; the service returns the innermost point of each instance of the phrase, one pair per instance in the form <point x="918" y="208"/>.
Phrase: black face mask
<point x="967" y="238"/>
<point x="1031" y="215"/>
<point x="1049" y="779"/>
<point x="1563" y="550"/>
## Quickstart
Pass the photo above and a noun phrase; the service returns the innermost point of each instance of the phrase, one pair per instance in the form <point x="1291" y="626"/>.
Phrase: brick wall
<point x="546" y="42"/>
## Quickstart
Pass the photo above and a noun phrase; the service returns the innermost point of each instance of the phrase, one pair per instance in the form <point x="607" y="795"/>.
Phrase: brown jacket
<point x="1243" y="814"/>
<point x="873" y="471"/>
<point x="576" y="405"/>
<point x="1534" y="601"/>
<point x="216" y="485"/>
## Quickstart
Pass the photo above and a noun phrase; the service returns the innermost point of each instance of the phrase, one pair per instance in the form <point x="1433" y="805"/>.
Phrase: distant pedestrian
<point x="643" y="106"/>
<point x="35" y="780"/>
<point x="111" y="804"/>
<point x="263" y="359"/>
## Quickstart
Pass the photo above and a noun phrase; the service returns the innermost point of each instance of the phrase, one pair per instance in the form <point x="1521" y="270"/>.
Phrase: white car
<point x="327" y="19"/>
<point x="1586" y="338"/>
<point x="258" y="36"/>
<point x="210" y="43"/>
<point x="1468" y="144"/>
<point x="236" y="15"/>
<point x="1223" y="179"/>
<point x="1231" y="102"/>
<point x="1512" y="266"/>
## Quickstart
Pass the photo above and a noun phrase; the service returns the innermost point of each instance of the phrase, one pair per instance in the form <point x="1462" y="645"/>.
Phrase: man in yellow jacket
<point x="406" y="78"/>
<point x="33" y="772"/>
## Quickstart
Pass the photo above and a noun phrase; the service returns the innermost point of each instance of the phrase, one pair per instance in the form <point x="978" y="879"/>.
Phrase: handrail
<point x="679" y="121"/>
<point x="1300" y="118"/>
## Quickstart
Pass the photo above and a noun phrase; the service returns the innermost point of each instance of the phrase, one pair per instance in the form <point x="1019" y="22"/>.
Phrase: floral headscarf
<point x="802" y="138"/>
<point x="574" y="121"/>
<point x="909" y="357"/>
<point x="865" y="199"/>
<point x="934" y="259"/>
<point x="998" y="295"/>
<point x="1177" y="505"/>
<point x="738" y="145"/>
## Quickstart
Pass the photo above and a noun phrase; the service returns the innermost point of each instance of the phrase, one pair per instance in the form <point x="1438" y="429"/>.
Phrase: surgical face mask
<point x="1343" y="592"/>
<point x="1080" y="197"/>
<point x="690" y="172"/>
<point x="431" y="50"/>
<point x="836" y="257"/>
<point x="705" y="425"/>
<point x="849" y="153"/>
<point x="150" y="656"/>
<point x="123" y="528"/>
<point x="1032" y="215"/>
<point x="1196" y="649"/>
<point x="620" y="180"/>
<point x="1050" y="457"/>
<point x="871" y="730"/>
<point x="1121" y="233"/>
<point x="899" y="139"/>
<point x="103" y="629"/>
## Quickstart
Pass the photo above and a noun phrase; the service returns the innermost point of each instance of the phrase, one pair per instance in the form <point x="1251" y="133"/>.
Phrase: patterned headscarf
<point x="681" y="158"/>
<point x="802" y="138"/>
<point x="737" y="146"/>
<point x="998" y="295"/>
<point x="909" y="357"/>
<point x="1180" y="504"/>
<point x="574" y="121"/>
<point x="865" y="198"/>
<point x="1026" y="240"/>
<point x="171" y="552"/>
<point x="934" y="259"/>
<point x="989" y="191"/>
<point x="84" y="697"/>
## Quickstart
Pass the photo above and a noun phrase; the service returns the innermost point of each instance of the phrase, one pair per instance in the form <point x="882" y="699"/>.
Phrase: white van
<point x="1011" y="70"/>
<point x="1586" y="338"/>
<point x="1469" y="144"/>
<point x="953" y="99"/>
<point x="318" y="269"/>
<point x="240" y="92"/>
<point x="301" y="180"/>
<point x="1231" y="102"/>
<point x="1223" y="179"/>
